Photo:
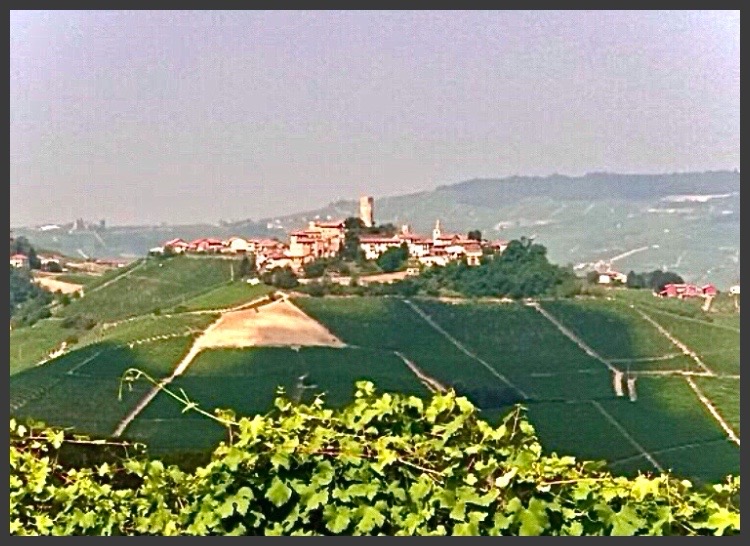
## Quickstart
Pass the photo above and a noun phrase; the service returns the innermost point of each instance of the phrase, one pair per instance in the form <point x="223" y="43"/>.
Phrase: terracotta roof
<point x="19" y="257"/>
<point x="330" y="224"/>
<point x="379" y="240"/>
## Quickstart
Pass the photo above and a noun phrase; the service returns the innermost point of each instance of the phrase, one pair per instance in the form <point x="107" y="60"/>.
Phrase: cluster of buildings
<point x="325" y="239"/>
<point x="682" y="291"/>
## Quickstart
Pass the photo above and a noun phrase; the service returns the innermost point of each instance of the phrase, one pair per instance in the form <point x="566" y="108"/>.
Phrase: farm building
<point x="687" y="291"/>
<point x="19" y="261"/>
<point x="178" y="246"/>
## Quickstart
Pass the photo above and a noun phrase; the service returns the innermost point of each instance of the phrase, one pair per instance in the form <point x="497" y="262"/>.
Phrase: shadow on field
<point x="79" y="392"/>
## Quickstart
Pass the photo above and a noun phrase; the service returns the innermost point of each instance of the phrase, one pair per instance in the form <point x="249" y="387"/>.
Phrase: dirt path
<point x="677" y="343"/>
<point x="574" y="338"/>
<point x="669" y="356"/>
<point x="432" y="384"/>
<point x="277" y="323"/>
<point x="698" y="321"/>
<point x="714" y="412"/>
<point x="627" y="436"/>
<point x="194" y="351"/>
<point x="119" y="277"/>
<point x="428" y="319"/>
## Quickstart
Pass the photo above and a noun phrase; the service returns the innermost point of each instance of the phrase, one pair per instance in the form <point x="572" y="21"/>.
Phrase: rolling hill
<point x="228" y="345"/>
<point x="685" y="222"/>
<point x="688" y="223"/>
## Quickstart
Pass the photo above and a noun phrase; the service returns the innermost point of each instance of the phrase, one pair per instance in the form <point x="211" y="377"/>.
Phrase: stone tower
<point x="366" y="206"/>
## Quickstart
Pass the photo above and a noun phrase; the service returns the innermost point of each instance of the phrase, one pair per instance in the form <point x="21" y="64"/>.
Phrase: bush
<point x="314" y="269"/>
<point x="384" y="465"/>
<point x="315" y="289"/>
<point x="78" y="322"/>
<point x="393" y="259"/>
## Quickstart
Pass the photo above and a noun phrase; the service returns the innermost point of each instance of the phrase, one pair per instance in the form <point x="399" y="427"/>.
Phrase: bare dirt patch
<point x="278" y="324"/>
<point x="54" y="285"/>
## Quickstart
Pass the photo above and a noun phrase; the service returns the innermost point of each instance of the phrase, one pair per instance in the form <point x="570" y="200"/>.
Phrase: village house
<point x="177" y="246"/>
<point x="682" y="291"/>
<point x="236" y="245"/>
<point x="473" y="253"/>
<point x="204" y="245"/>
<point x="19" y="261"/>
<point x="48" y="263"/>
<point x="375" y="245"/>
<point x="325" y="239"/>
<point x="607" y="275"/>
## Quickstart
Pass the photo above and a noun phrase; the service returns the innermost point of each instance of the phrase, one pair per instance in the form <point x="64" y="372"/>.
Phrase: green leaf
<point x="370" y="519"/>
<point x="420" y="488"/>
<point x="459" y="511"/>
<point x="278" y="493"/>
<point x="723" y="519"/>
<point x="337" y="518"/>
<point x="534" y="518"/>
<point x="626" y="522"/>
<point x="643" y="486"/>
<point x="317" y="499"/>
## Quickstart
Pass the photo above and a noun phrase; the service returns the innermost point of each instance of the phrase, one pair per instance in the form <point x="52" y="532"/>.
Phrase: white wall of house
<point x="239" y="245"/>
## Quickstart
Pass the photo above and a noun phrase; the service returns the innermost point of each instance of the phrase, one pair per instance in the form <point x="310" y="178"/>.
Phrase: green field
<point x="80" y="389"/>
<point x="389" y="324"/>
<point x="154" y="284"/>
<point x="228" y="295"/>
<point x="149" y="326"/>
<point x="725" y="395"/>
<point x="495" y="354"/>
<point x="79" y="278"/>
<point x="30" y="344"/>
<point x="717" y="347"/>
<point x="564" y="384"/>
<point x="613" y="331"/>
<point x="247" y="381"/>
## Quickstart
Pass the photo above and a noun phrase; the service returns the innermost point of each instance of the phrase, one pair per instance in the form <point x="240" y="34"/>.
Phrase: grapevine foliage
<point x="384" y="465"/>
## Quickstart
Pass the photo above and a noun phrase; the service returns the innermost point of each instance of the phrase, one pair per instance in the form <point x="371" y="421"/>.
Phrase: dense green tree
<point x="244" y="269"/>
<point x="393" y="258"/>
<point x="655" y="280"/>
<point x="21" y="245"/>
<point x="521" y="271"/>
<point x="281" y="277"/>
<point x="315" y="269"/>
<point x="475" y="235"/>
<point x="28" y="301"/>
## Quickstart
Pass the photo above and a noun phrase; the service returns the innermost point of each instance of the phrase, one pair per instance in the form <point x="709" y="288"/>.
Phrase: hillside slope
<point x="651" y="219"/>
<point x="686" y="222"/>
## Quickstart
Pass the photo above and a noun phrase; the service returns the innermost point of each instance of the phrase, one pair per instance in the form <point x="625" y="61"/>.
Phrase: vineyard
<point x="388" y="465"/>
<point x="150" y="285"/>
<point x="600" y="379"/>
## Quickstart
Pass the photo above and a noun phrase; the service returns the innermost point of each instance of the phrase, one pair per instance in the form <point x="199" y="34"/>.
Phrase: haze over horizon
<point x="184" y="117"/>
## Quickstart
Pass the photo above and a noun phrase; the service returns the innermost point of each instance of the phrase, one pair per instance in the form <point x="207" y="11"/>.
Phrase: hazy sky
<point x="199" y="116"/>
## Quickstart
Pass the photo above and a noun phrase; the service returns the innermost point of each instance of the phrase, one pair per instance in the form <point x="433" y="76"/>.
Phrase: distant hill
<point x="686" y="222"/>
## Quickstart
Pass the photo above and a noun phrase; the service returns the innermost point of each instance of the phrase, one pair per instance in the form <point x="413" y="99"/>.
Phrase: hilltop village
<point x="327" y="239"/>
